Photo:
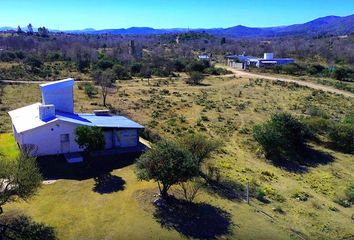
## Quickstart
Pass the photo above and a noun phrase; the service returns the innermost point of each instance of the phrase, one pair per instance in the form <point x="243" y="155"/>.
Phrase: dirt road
<point x="302" y="83"/>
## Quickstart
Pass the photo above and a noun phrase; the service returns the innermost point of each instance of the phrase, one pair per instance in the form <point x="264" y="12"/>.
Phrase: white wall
<point x="60" y="95"/>
<point x="47" y="138"/>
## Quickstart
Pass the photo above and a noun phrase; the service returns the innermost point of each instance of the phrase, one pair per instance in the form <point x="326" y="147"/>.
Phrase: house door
<point x="65" y="143"/>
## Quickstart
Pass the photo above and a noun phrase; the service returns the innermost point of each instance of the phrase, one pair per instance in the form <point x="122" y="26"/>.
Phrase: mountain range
<point x="330" y="25"/>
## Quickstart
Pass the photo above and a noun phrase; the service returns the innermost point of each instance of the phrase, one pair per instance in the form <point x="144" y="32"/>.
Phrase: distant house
<point x="243" y="61"/>
<point x="49" y="127"/>
<point x="204" y="57"/>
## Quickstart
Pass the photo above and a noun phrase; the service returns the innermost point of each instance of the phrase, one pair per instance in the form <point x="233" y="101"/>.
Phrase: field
<point x="225" y="108"/>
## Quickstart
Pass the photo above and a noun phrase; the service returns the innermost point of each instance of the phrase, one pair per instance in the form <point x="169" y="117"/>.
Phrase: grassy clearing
<point x="223" y="107"/>
<point x="8" y="146"/>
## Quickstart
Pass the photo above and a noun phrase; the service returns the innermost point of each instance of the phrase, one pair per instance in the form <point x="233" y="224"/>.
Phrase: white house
<point x="49" y="127"/>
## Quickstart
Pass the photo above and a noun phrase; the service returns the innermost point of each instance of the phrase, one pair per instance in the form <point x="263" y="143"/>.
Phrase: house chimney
<point x="46" y="112"/>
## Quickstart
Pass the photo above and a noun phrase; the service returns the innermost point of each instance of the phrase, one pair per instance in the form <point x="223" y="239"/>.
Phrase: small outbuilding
<point x="244" y="61"/>
<point x="48" y="128"/>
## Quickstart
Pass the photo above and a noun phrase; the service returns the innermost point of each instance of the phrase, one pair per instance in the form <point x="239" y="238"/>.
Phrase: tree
<point x="199" y="145"/>
<point x="19" y="179"/>
<point x="90" y="138"/>
<point x="105" y="80"/>
<point x="167" y="163"/>
<point x="195" y="78"/>
<point x="43" y="32"/>
<point x="282" y="136"/>
<point x="34" y="63"/>
<point x="121" y="72"/>
<point x="29" y="29"/>
<point x="19" y="30"/>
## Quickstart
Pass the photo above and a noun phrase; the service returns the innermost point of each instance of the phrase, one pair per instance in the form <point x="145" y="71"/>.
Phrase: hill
<point x="330" y="25"/>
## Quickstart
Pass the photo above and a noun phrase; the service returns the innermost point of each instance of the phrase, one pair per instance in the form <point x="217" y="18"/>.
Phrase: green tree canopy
<point x="199" y="145"/>
<point x="281" y="137"/>
<point x="167" y="163"/>
<point x="90" y="138"/>
<point x="19" y="179"/>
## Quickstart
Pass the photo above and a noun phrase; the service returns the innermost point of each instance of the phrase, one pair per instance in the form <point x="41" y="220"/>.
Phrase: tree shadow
<point x="56" y="167"/>
<point x="301" y="163"/>
<point x="23" y="227"/>
<point x="107" y="183"/>
<point x="195" y="220"/>
<point x="227" y="189"/>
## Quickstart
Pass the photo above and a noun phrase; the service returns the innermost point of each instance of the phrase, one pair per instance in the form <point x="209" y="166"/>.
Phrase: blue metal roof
<point x="108" y="121"/>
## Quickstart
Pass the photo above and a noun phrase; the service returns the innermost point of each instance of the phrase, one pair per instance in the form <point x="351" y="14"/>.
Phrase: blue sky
<point x="79" y="14"/>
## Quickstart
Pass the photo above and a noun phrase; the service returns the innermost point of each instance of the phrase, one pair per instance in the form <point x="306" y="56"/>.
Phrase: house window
<point x="64" y="138"/>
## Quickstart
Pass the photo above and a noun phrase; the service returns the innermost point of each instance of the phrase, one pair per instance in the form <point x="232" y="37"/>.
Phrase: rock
<point x="158" y="202"/>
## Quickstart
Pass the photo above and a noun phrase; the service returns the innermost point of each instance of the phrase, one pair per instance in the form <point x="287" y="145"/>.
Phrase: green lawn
<point x="8" y="145"/>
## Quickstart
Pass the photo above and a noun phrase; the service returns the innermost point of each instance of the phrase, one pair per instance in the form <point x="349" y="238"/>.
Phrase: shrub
<point x="349" y="192"/>
<point x="121" y="72"/>
<point x="281" y="137"/>
<point x="318" y="125"/>
<point x="195" y="78"/>
<point x="342" y="136"/>
<point x="104" y="64"/>
<point x="197" y="66"/>
<point x="301" y="196"/>
<point x="260" y="194"/>
<point x="90" y="90"/>
<point x="343" y="202"/>
<point x="215" y="71"/>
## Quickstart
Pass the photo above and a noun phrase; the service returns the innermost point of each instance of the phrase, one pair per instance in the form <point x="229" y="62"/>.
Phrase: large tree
<point x="105" y="80"/>
<point x="19" y="179"/>
<point x="199" y="145"/>
<point x="30" y="29"/>
<point x="167" y="163"/>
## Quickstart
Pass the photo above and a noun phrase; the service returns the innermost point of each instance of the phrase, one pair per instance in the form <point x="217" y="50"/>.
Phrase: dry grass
<point x="226" y="108"/>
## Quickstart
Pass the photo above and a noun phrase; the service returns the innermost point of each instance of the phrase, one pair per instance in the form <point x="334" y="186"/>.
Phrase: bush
<point x="7" y="56"/>
<point x="90" y="90"/>
<point x="315" y="69"/>
<point x="216" y="71"/>
<point x="197" y="66"/>
<point x="260" y="194"/>
<point x="342" y="136"/>
<point x="349" y="192"/>
<point x="281" y="137"/>
<point x="318" y="125"/>
<point x="343" y="202"/>
<point x="301" y="196"/>
<point x="195" y="78"/>
<point x="121" y="72"/>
